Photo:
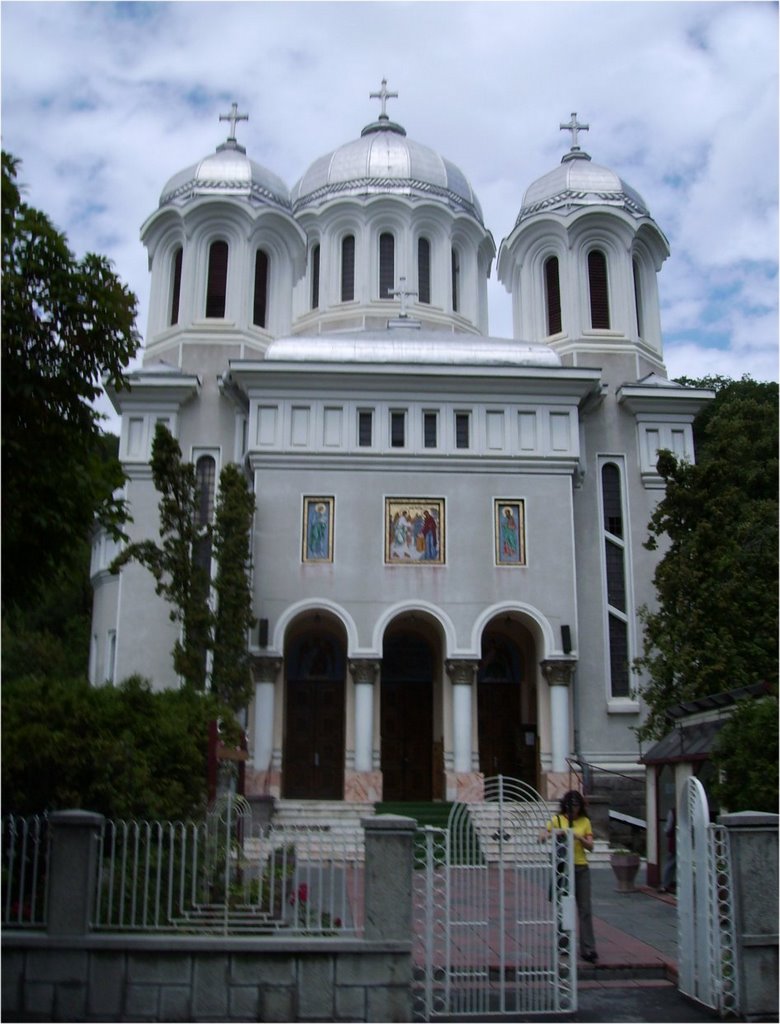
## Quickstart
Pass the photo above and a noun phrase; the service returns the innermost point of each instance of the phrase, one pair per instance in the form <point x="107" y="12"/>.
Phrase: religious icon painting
<point x="510" y="531"/>
<point x="414" y="531"/>
<point x="318" y="529"/>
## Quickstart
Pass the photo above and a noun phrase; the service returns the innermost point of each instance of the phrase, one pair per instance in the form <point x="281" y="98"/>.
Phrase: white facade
<point x="447" y="550"/>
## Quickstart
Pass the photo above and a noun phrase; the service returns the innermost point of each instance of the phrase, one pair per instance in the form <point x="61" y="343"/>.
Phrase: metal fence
<point x="225" y="875"/>
<point x="24" y="868"/>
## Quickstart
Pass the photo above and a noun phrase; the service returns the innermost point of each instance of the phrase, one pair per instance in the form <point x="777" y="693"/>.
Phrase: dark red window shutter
<point x="552" y="289"/>
<point x="260" y="309"/>
<point x="216" y="289"/>
<point x="176" y="286"/>
<point x="599" y="295"/>
<point x="348" y="268"/>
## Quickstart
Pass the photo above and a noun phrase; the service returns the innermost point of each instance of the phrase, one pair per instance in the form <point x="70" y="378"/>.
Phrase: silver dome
<point x="227" y="172"/>
<point x="578" y="182"/>
<point x="384" y="161"/>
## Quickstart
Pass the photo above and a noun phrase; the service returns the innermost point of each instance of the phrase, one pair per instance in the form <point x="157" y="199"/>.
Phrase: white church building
<point x="447" y="550"/>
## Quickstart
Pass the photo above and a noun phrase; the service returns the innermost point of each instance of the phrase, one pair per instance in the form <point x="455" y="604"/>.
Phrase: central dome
<point x="385" y="161"/>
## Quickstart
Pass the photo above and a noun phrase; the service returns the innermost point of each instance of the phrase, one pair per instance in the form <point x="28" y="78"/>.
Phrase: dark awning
<point x="685" y="743"/>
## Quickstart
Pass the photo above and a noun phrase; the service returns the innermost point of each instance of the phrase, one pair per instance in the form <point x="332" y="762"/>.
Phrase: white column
<point x="264" y="671"/>
<point x="364" y="673"/>
<point x="558" y="675"/>
<point x="462" y="675"/>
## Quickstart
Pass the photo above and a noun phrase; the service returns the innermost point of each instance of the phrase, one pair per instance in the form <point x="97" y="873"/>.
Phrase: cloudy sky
<point x="103" y="102"/>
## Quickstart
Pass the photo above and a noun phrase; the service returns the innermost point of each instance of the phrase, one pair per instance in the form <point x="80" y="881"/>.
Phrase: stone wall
<point x="73" y="973"/>
<point x="188" y="978"/>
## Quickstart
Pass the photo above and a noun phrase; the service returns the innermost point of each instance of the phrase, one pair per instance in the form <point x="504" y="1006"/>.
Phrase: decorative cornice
<point x="404" y="186"/>
<point x="364" y="670"/>
<point x="462" y="672"/>
<point x="265" y="669"/>
<point x="558" y="671"/>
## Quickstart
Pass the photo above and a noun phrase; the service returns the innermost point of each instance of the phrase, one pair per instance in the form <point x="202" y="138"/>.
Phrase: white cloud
<point x="104" y="102"/>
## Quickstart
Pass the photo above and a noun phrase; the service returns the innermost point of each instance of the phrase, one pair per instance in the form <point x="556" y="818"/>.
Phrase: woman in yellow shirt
<point x="573" y="815"/>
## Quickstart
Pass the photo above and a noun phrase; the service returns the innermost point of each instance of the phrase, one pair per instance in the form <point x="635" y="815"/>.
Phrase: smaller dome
<point x="227" y="172"/>
<point x="578" y="182"/>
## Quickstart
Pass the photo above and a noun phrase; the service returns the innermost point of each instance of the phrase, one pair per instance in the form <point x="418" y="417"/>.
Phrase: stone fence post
<point x="754" y="850"/>
<point x="72" y="871"/>
<point x="388" y="878"/>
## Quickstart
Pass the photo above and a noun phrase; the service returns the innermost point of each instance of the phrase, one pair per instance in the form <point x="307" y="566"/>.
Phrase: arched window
<point x="216" y="289"/>
<point x="315" y="277"/>
<point x="423" y="270"/>
<point x="552" y="290"/>
<point x="615" y="572"/>
<point x="455" y="280"/>
<point x="176" y="285"/>
<point x="205" y="482"/>
<point x="260" y="306"/>
<point x="599" y="294"/>
<point x="386" y="265"/>
<point x="640" y="327"/>
<point x="348" y="268"/>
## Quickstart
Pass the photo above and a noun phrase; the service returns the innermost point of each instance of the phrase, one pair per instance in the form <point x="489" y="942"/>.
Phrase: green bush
<point x="123" y="751"/>
<point x="746" y="755"/>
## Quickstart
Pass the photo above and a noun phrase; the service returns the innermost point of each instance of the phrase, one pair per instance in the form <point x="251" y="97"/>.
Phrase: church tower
<point x="581" y="265"/>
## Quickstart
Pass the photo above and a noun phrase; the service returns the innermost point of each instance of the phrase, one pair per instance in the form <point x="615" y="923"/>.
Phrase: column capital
<point x="265" y="669"/>
<point x="364" y="670"/>
<point x="462" y="671"/>
<point x="558" y="671"/>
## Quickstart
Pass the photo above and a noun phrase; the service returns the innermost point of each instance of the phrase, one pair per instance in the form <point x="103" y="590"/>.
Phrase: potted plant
<point x="625" y="865"/>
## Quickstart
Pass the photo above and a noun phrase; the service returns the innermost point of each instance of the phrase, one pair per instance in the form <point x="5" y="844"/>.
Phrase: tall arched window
<point x="386" y="265"/>
<point x="315" y="277"/>
<point x="599" y="293"/>
<point x="423" y="270"/>
<point x="205" y="482"/>
<point x="615" y="571"/>
<point x="176" y="285"/>
<point x="552" y="291"/>
<point x="216" y="289"/>
<point x="640" y="316"/>
<point x="348" y="268"/>
<point x="260" y="305"/>
<point x="455" y="280"/>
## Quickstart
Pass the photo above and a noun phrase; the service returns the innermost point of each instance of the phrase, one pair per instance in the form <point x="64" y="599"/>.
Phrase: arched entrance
<point x="313" y="764"/>
<point x="406" y="716"/>
<point x="506" y="705"/>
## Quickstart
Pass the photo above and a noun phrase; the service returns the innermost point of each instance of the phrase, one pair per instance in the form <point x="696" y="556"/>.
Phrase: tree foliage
<point x="746" y="756"/>
<point x="66" y="324"/>
<point x="230" y="673"/>
<point x="122" y="751"/>
<point x="716" y="624"/>
<point x="180" y="577"/>
<point x="180" y="564"/>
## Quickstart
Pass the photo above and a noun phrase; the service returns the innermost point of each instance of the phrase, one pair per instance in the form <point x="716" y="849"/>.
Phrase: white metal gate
<point x="495" y="910"/>
<point x="705" y="918"/>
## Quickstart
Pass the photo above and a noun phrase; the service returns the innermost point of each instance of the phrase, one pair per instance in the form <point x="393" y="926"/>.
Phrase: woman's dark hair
<point x="573" y="804"/>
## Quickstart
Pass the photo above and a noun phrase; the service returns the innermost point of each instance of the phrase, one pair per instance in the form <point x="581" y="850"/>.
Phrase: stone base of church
<point x="554" y="784"/>
<point x="362" y="787"/>
<point x="465" y="787"/>
<point x="267" y="784"/>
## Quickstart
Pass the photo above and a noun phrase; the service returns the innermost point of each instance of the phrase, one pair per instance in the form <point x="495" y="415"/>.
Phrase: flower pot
<point x="625" y="867"/>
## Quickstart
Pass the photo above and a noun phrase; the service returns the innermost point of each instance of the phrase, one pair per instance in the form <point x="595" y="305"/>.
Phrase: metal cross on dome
<point x="233" y="117"/>
<point x="384" y="96"/>
<point x="574" y="127"/>
<point x="403" y="293"/>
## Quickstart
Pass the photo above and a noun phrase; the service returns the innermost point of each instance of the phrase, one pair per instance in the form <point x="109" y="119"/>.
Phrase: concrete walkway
<point x="636" y="976"/>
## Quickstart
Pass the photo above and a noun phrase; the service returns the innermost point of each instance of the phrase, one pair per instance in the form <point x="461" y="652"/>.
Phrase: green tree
<point x="230" y="674"/>
<point x="123" y="751"/>
<point x="746" y="756"/>
<point x="181" y="577"/>
<point x="180" y="564"/>
<point x="66" y="324"/>
<point x="716" y="625"/>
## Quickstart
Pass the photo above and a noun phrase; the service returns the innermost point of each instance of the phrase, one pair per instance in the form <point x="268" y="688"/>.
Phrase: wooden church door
<point x="406" y="710"/>
<point x="313" y="764"/>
